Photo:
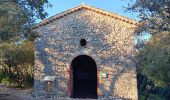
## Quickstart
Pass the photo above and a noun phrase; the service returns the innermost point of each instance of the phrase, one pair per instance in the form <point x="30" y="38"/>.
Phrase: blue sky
<point x="115" y="6"/>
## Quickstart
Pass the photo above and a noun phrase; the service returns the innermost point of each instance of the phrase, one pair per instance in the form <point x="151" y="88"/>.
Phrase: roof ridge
<point x="84" y="6"/>
<point x="109" y="12"/>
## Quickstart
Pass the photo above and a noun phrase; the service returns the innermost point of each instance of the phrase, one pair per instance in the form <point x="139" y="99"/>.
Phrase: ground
<point x="9" y="93"/>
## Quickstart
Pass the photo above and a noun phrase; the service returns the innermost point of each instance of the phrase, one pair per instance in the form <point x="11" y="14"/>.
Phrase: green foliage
<point x="6" y="80"/>
<point x="151" y="97"/>
<point x="154" y="60"/>
<point x="19" y="54"/>
<point x="153" y="56"/>
<point x="17" y="16"/>
<point x="18" y="64"/>
<point x="16" y="19"/>
<point x="154" y="15"/>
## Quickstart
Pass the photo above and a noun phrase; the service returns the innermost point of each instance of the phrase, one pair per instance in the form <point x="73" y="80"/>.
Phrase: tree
<point x="17" y="16"/>
<point x="16" y="19"/>
<point x="155" y="18"/>
<point x="18" y="61"/>
<point x="155" y="59"/>
<point x="153" y="56"/>
<point x="154" y="15"/>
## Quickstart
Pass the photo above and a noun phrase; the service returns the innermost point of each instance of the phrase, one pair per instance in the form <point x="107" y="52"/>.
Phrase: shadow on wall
<point x="45" y="66"/>
<point x="109" y="40"/>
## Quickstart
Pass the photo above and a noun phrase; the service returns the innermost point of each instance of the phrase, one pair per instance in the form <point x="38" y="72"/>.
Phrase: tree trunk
<point x="149" y="92"/>
<point x="140" y="80"/>
<point x="168" y="97"/>
<point x="144" y="84"/>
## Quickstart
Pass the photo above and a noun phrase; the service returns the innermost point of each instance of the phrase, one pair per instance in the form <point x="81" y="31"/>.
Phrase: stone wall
<point x="110" y="42"/>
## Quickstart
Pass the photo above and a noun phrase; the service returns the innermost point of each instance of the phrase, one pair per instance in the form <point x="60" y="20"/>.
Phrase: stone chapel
<point x="88" y="52"/>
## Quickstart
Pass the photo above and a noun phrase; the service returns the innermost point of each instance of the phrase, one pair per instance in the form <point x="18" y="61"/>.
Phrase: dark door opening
<point x="84" y="77"/>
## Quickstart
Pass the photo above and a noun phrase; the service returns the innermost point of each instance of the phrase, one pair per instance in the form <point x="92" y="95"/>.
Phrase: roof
<point x="83" y="6"/>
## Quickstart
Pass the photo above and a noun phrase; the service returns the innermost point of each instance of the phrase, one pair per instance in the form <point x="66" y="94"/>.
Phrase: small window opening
<point x="83" y="42"/>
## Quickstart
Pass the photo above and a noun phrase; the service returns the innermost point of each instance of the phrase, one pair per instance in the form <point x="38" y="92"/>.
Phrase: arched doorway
<point x="83" y="77"/>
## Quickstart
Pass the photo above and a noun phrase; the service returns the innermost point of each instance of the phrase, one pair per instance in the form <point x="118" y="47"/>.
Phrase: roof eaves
<point x="62" y="14"/>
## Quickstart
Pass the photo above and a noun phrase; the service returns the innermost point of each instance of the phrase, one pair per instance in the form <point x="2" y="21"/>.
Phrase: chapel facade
<point x="89" y="52"/>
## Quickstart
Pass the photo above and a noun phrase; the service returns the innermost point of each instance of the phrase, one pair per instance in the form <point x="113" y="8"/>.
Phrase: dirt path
<point x="7" y="93"/>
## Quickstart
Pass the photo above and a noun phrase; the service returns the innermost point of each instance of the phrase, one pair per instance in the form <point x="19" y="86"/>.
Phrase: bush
<point x="151" y="97"/>
<point x="18" y="61"/>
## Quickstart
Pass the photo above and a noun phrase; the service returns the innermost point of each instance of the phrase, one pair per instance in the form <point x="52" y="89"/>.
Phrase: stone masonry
<point x="110" y="42"/>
